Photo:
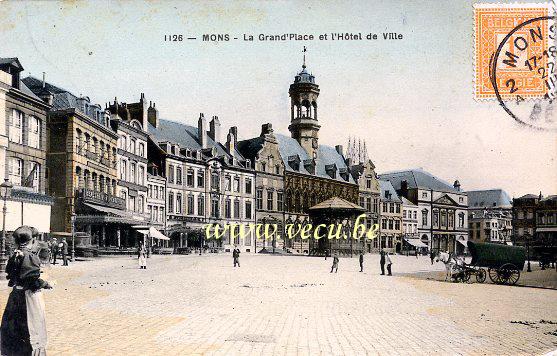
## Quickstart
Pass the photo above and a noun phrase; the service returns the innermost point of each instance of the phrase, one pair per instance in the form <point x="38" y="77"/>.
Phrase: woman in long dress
<point x="142" y="257"/>
<point x="23" y="328"/>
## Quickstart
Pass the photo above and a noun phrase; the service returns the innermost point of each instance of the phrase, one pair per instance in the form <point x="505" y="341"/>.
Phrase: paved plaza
<point x="286" y="305"/>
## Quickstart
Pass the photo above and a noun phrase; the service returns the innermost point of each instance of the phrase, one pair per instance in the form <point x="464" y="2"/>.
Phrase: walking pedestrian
<point x="382" y="262"/>
<point x="54" y="250"/>
<point x="142" y="257"/>
<point x="49" y="243"/>
<point x="64" y="250"/>
<point x="361" y="261"/>
<point x="416" y="252"/>
<point x="23" y="328"/>
<point x="431" y="256"/>
<point x="389" y="263"/>
<point x="335" y="264"/>
<point x="236" y="256"/>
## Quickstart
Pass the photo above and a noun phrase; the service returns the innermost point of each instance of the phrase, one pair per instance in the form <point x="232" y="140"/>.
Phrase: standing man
<point x="335" y="264"/>
<point x="54" y="251"/>
<point x="236" y="256"/>
<point x="361" y="261"/>
<point x="431" y="256"/>
<point x="382" y="262"/>
<point x="389" y="263"/>
<point x="64" y="250"/>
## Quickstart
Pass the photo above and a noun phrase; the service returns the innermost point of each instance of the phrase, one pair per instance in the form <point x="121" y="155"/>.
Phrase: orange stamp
<point x="512" y="51"/>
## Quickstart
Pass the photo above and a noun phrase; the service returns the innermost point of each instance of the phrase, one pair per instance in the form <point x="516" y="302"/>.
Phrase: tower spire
<point x="304" y="52"/>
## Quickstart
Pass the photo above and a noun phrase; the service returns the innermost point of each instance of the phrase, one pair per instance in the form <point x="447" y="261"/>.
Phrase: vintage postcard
<point x="278" y="177"/>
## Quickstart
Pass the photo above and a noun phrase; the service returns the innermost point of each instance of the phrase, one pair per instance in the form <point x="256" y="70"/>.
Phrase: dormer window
<point x="344" y="174"/>
<point x="294" y="162"/>
<point x="331" y="170"/>
<point x="309" y="165"/>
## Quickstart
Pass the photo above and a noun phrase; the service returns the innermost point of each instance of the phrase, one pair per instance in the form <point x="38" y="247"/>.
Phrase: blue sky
<point x="411" y="100"/>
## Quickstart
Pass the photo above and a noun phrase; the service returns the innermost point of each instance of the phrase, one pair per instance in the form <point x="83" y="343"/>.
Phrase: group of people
<point x="384" y="260"/>
<point x="56" y="248"/>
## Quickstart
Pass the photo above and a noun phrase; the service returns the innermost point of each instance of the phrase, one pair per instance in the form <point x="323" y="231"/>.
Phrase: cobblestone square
<point x="286" y="305"/>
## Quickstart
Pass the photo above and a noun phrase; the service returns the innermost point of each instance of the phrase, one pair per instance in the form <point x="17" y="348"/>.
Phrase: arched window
<point x="78" y="139"/>
<point x="79" y="178"/>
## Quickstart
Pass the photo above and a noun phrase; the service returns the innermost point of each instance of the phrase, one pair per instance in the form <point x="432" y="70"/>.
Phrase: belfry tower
<point x="303" y="105"/>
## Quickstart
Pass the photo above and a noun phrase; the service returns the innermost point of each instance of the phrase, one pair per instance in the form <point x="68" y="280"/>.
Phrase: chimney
<point x="202" y="131"/>
<point x="230" y="142"/>
<point x="266" y="129"/>
<point x="153" y="115"/>
<point x="404" y="188"/>
<point x="456" y="185"/>
<point x="234" y="130"/>
<point x="339" y="149"/>
<point x="44" y="79"/>
<point x="214" y="129"/>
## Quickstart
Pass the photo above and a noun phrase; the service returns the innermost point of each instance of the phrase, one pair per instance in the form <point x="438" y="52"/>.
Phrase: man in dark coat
<point x="361" y="261"/>
<point x="382" y="262"/>
<point x="236" y="256"/>
<point x="432" y="256"/>
<point x="335" y="264"/>
<point x="54" y="251"/>
<point x="64" y="250"/>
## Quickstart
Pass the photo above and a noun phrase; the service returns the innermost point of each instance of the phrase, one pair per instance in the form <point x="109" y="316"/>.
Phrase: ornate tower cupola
<point x="303" y="105"/>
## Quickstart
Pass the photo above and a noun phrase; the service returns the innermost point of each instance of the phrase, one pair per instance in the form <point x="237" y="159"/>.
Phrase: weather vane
<point x="304" y="52"/>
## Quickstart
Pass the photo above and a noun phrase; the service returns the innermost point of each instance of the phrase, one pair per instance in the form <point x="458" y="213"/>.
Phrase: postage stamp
<point x="515" y="60"/>
<point x="493" y="22"/>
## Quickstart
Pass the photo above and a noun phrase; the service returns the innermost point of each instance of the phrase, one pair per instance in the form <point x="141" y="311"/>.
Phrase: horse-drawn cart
<point x="503" y="262"/>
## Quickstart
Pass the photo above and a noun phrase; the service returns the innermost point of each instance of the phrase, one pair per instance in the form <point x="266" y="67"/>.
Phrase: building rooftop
<point x="418" y="179"/>
<point x="491" y="198"/>
<point x="63" y="99"/>
<point x="186" y="136"/>
<point x="388" y="192"/>
<point x="327" y="157"/>
<point x="407" y="202"/>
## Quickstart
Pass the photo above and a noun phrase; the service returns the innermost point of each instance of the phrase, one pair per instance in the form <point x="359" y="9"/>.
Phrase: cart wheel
<point x="511" y="273"/>
<point x="494" y="275"/>
<point x="466" y="276"/>
<point x="481" y="274"/>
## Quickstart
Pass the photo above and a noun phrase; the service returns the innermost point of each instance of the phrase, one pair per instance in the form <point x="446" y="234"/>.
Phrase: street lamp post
<point x="6" y="187"/>
<point x="73" y="236"/>
<point x="527" y="236"/>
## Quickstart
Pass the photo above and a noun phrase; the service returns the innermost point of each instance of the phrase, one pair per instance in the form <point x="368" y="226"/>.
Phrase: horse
<point x="449" y="261"/>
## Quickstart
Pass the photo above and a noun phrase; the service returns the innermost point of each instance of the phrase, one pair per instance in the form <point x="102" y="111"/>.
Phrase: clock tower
<point x="304" y="126"/>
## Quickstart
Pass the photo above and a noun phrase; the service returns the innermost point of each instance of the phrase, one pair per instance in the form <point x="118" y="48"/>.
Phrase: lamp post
<point x="73" y="236"/>
<point x="527" y="236"/>
<point x="6" y="187"/>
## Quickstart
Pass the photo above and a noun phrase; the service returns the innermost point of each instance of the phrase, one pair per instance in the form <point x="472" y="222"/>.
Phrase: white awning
<point x="156" y="234"/>
<point x="463" y="242"/>
<point x="416" y="242"/>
